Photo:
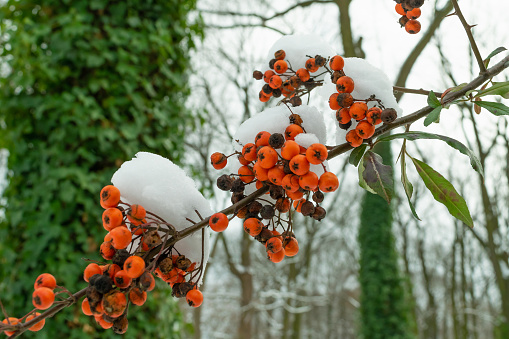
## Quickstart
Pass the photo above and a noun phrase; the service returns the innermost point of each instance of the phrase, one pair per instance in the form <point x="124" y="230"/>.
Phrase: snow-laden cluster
<point x="164" y="189"/>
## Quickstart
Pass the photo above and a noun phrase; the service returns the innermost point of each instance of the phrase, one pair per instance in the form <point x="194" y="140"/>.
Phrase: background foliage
<point x="87" y="85"/>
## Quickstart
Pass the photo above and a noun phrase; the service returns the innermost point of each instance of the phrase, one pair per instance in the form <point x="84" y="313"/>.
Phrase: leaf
<point x="406" y="184"/>
<point x="415" y="135"/>
<point x="356" y="154"/>
<point x="432" y="100"/>
<point x="492" y="54"/>
<point x="498" y="88"/>
<point x="444" y="192"/>
<point x="434" y="116"/>
<point x="378" y="176"/>
<point x="496" y="108"/>
<point x="362" y="182"/>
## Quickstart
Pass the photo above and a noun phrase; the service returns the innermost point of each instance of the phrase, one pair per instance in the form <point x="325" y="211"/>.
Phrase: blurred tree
<point x="87" y="84"/>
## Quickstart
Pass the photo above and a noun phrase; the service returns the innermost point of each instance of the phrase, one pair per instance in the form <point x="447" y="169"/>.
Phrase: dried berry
<point x="276" y="140"/>
<point x="237" y="186"/>
<point x="318" y="197"/>
<point x="258" y="75"/>
<point x="267" y="212"/>
<point x="224" y="182"/>
<point x="389" y="115"/>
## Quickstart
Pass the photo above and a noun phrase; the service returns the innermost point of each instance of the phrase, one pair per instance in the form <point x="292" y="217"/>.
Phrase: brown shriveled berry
<point x="276" y="92"/>
<point x="279" y="54"/>
<point x="224" y="182"/>
<point x="276" y="192"/>
<point x="258" y="75"/>
<point x="264" y="235"/>
<point x="114" y="303"/>
<point x="183" y="263"/>
<point x="146" y="281"/>
<point x="236" y="197"/>
<point x="120" y="257"/>
<point x="165" y="265"/>
<point x="307" y="208"/>
<point x="403" y="20"/>
<point x="296" y="101"/>
<point x="345" y="126"/>
<point x="283" y="205"/>
<point x="318" y="197"/>
<point x="415" y="3"/>
<point x="120" y="325"/>
<point x="237" y="186"/>
<point x="388" y="115"/>
<point x="152" y="239"/>
<point x="267" y="212"/>
<point x="319" y="213"/>
<point x="336" y="75"/>
<point x="276" y="140"/>
<point x="179" y="290"/>
<point x="320" y="61"/>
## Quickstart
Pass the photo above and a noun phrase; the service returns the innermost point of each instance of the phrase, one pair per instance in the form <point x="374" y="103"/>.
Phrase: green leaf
<point x="432" y="100"/>
<point x="362" y="182"/>
<point x="444" y="192"/>
<point x="496" y="108"/>
<point x="378" y="176"/>
<point x="406" y="184"/>
<point x="498" y="88"/>
<point x="412" y="136"/>
<point x="434" y="116"/>
<point x="492" y="54"/>
<point x="356" y="154"/>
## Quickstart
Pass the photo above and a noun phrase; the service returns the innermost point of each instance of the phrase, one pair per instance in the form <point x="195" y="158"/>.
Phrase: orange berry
<point x="280" y="66"/>
<point x="39" y="325"/>
<point x="136" y="214"/>
<point x="290" y="149"/>
<point x="85" y="307"/>
<point x="43" y="298"/>
<point x="137" y="296"/>
<point x="107" y="250"/>
<point x="283" y="205"/>
<point x="263" y="97"/>
<point x="292" y="247"/>
<point x="364" y="129"/>
<point x="353" y="138"/>
<point x="290" y="183"/>
<point x="400" y="10"/>
<point x="91" y="270"/>
<point x="110" y="196"/>
<point x="276" y="175"/>
<point x="111" y="270"/>
<point x="259" y="184"/>
<point x="262" y="139"/>
<point x="260" y="173"/>
<point x="45" y="280"/>
<point x="246" y="174"/>
<point x="280" y="54"/>
<point x="358" y="110"/>
<point x="413" y="14"/>
<point x="316" y="154"/>
<point x="276" y="257"/>
<point x="303" y="74"/>
<point x="218" y="160"/>
<point x="297" y="195"/>
<point x="333" y="101"/>
<point x="112" y="217"/>
<point x="336" y="63"/>
<point x="147" y="281"/>
<point x="274" y="245"/>
<point x="299" y="164"/>
<point x="328" y="182"/>
<point x="134" y="266"/>
<point x="413" y="26"/>
<point x="243" y="160"/>
<point x="253" y="226"/>
<point x="267" y="75"/>
<point x="114" y="303"/>
<point x="275" y="82"/>
<point x="309" y="181"/>
<point x="345" y="84"/>
<point x="292" y="131"/>
<point x="249" y="152"/>
<point x="267" y="157"/>
<point x="194" y="298"/>
<point x="103" y="322"/>
<point x="344" y="100"/>
<point x="12" y="321"/>
<point x="218" y="222"/>
<point x="121" y="237"/>
<point x="121" y="279"/>
<point x="374" y="116"/>
<point x="97" y="309"/>
<point x="311" y="65"/>
<point x="343" y="115"/>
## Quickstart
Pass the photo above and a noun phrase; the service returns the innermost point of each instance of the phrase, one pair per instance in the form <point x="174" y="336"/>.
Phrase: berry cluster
<point x="278" y="161"/>
<point x="132" y="233"/>
<point x="409" y="10"/>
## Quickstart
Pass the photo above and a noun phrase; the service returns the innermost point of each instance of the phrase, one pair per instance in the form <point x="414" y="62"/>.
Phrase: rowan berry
<point x="112" y="217"/>
<point x="299" y="164"/>
<point x="276" y="257"/>
<point x="110" y="196"/>
<point x="218" y="222"/>
<point x="276" y="174"/>
<point x="353" y="138"/>
<point x="307" y="208"/>
<point x="218" y="160"/>
<point x="39" y="325"/>
<point x="345" y="84"/>
<point x="275" y="82"/>
<point x="291" y="247"/>
<point x="263" y="97"/>
<point x="413" y="14"/>
<point x="253" y="226"/>
<point x="279" y="54"/>
<point x="328" y="183"/>
<point x="403" y="20"/>
<point x="224" y="182"/>
<point x="406" y="6"/>
<point x="283" y="205"/>
<point x="292" y="131"/>
<point x="345" y="126"/>
<point x="137" y="296"/>
<point x="320" y="61"/>
<point x="85" y="307"/>
<point x="280" y="66"/>
<point x="246" y="174"/>
<point x="290" y="182"/>
<point x="297" y="195"/>
<point x="134" y="266"/>
<point x="276" y="92"/>
<point x="358" y="110"/>
<point x="276" y="192"/>
<point x="343" y="115"/>
<point x="333" y="102"/>
<point x="344" y="100"/>
<point x="91" y="270"/>
<point x="308" y="181"/>
<point x="289" y="149"/>
<point x="316" y="154"/>
<point x="258" y="75"/>
<point x="43" y="298"/>
<point x="311" y="65"/>
<point x="303" y="74"/>
<point x="336" y="75"/>
<point x="120" y="257"/>
<point x="274" y="245"/>
<point x="114" y="303"/>
<point x="267" y="75"/>
<point x="267" y="212"/>
<point x="120" y="325"/>
<point x="374" y="115"/>
<point x="267" y="157"/>
<point x="111" y="270"/>
<point x="364" y="129"/>
<point x="10" y="321"/>
<point x="194" y="298"/>
<point x="388" y="115"/>
<point x="415" y="3"/>
<point x="400" y="10"/>
<point x="146" y="281"/>
<point x="103" y="283"/>
<point x="336" y="63"/>
<point x="413" y="26"/>
<point x="249" y="152"/>
<point x="318" y="196"/>
<point x="45" y="280"/>
<point x="271" y="63"/>
<point x="100" y="319"/>
<point x="121" y="237"/>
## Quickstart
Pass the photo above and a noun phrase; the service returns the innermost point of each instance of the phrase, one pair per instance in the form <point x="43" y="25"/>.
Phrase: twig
<point x="414" y="91"/>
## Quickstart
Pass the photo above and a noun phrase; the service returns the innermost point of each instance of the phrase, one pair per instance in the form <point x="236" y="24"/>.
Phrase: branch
<point x="398" y="89"/>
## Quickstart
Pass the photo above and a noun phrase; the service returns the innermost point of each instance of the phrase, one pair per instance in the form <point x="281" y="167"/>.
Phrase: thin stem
<point x="414" y="91"/>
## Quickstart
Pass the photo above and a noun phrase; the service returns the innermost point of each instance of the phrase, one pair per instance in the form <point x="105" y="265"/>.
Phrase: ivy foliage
<point x="86" y="84"/>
